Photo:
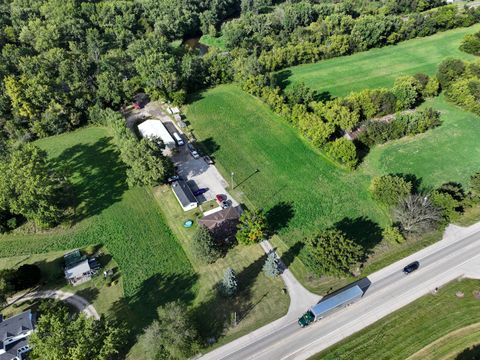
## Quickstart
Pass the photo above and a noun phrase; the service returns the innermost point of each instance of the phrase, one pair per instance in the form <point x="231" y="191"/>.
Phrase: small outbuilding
<point x="79" y="268"/>
<point x="156" y="129"/>
<point x="184" y="195"/>
<point x="222" y="224"/>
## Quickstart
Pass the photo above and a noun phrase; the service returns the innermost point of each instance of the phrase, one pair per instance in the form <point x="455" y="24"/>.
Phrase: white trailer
<point x="155" y="128"/>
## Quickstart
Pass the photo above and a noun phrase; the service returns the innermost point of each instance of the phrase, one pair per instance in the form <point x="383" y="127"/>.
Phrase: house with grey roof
<point x="79" y="268"/>
<point x="184" y="195"/>
<point x="14" y="333"/>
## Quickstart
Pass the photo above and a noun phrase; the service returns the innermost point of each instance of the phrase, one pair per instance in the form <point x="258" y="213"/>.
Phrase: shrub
<point x="390" y="189"/>
<point x="432" y="88"/>
<point x="449" y="70"/>
<point x="471" y="44"/>
<point x="446" y="203"/>
<point x="204" y="247"/>
<point x="332" y="253"/>
<point x="343" y="150"/>
<point x="271" y="268"/>
<point x="252" y="227"/>
<point x="392" y="235"/>
<point x="417" y="215"/>
<point x="407" y="92"/>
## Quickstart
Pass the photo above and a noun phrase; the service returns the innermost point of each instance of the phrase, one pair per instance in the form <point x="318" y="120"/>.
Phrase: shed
<point x="222" y="224"/>
<point x="173" y="110"/>
<point x="155" y="128"/>
<point x="79" y="273"/>
<point x="184" y="195"/>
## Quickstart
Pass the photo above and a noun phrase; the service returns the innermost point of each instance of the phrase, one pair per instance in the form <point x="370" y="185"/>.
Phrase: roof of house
<point x="183" y="193"/>
<point x="11" y="351"/>
<point x="218" y="217"/>
<point x="77" y="270"/>
<point x="155" y="128"/>
<point x="72" y="258"/>
<point x="16" y="325"/>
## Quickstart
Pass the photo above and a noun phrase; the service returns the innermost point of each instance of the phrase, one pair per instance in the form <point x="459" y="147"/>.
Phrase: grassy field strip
<point x="450" y="345"/>
<point x="379" y="67"/>
<point x="414" y="327"/>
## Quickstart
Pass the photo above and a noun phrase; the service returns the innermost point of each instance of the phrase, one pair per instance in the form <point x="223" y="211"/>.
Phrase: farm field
<point x="379" y="67"/>
<point x="300" y="190"/>
<point x="416" y="326"/>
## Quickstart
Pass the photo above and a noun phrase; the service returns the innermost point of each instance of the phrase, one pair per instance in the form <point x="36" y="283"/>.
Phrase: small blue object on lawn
<point x="188" y="224"/>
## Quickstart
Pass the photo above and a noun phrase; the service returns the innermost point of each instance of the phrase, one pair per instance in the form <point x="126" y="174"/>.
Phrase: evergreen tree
<point x="271" y="268"/>
<point x="229" y="283"/>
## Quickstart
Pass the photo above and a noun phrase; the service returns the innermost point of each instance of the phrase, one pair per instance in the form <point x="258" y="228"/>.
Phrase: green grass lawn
<point x="379" y="67"/>
<point x="411" y="329"/>
<point x="301" y="191"/>
<point x="153" y="266"/>
<point x="450" y="152"/>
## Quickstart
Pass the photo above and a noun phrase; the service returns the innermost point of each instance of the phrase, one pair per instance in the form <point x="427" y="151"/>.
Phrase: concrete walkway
<point x="76" y="301"/>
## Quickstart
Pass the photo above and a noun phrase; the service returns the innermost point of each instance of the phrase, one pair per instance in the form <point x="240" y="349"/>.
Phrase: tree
<point x="407" y="92"/>
<point x="229" y="286"/>
<point x="29" y="186"/>
<point x="471" y="44"/>
<point x="417" y="215"/>
<point x="332" y="253"/>
<point x="271" y="268"/>
<point x="344" y="151"/>
<point x="204" y="246"/>
<point x="252" y="227"/>
<point x="6" y="285"/>
<point x="450" y="70"/>
<point x="390" y="189"/>
<point x="172" y="336"/>
<point x="392" y="235"/>
<point x="60" y="335"/>
<point x="449" y="206"/>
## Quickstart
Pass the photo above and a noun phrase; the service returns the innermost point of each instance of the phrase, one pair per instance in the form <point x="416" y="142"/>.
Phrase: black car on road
<point x="411" y="267"/>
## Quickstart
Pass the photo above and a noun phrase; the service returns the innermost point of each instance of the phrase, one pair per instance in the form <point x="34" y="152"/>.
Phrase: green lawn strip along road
<point x="153" y="266"/>
<point x="413" y="327"/>
<point x="379" y="67"/>
<point x="450" y="152"/>
<point x="300" y="190"/>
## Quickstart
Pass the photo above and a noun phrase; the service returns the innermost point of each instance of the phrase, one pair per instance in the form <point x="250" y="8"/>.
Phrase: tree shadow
<point x="362" y="231"/>
<point x="193" y="97"/>
<point x="289" y="256"/>
<point x="214" y="316"/>
<point x="97" y="174"/>
<point x="282" y="79"/>
<point x="279" y="216"/>
<point x="471" y="353"/>
<point x="140" y="310"/>
<point x="89" y="293"/>
<point x="208" y="146"/>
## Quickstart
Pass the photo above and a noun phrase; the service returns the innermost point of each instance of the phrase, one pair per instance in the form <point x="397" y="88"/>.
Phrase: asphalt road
<point x="383" y="296"/>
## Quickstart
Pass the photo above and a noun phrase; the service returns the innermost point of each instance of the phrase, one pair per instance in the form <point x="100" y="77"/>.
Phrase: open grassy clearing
<point x="450" y="152"/>
<point x="414" y="327"/>
<point x="301" y="191"/>
<point x="379" y="67"/>
<point x="450" y="345"/>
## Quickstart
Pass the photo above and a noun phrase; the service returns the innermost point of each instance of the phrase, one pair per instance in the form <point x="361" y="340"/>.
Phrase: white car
<point x="193" y="152"/>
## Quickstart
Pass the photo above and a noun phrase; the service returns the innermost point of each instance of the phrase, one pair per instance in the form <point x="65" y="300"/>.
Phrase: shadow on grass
<point x="362" y="231"/>
<point x="208" y="146"/>
<point x="140" y="310"/>
<point x="471" y="353"/>
<point x="214" y="316"/>
<point x="279" y="216"/>
<point x="289" y="256"/>
<point x="99" y="178"/>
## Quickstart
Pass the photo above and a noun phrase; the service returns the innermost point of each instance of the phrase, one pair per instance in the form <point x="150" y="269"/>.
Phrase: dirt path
<point x="76" y="301"/>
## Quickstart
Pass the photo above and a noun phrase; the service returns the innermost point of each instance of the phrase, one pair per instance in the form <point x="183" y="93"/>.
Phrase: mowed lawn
<point x="379" y="67"/>
<point x="450" y="152"/>
<point x="417" y="325"/>
<point x="153" y="266"/>
<point x="301" y="191"/>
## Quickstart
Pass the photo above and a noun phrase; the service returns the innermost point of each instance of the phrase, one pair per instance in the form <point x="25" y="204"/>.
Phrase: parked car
<point x="193" y="152"/>
<point x="219" y="198"/>
<point x="411" y="267"/>
<point x="208" y="160"/>
<point x="200" y="191"/>
<point x="225" y="204"/>
<point x="173" y="178"/>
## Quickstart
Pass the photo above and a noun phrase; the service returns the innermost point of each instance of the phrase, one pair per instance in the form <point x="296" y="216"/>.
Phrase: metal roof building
<point x="184" y="195"/>
<point x="155" y="128"/>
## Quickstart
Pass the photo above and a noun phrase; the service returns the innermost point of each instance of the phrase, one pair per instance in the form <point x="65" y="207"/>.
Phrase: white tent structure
<point x="155" y="128"/>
